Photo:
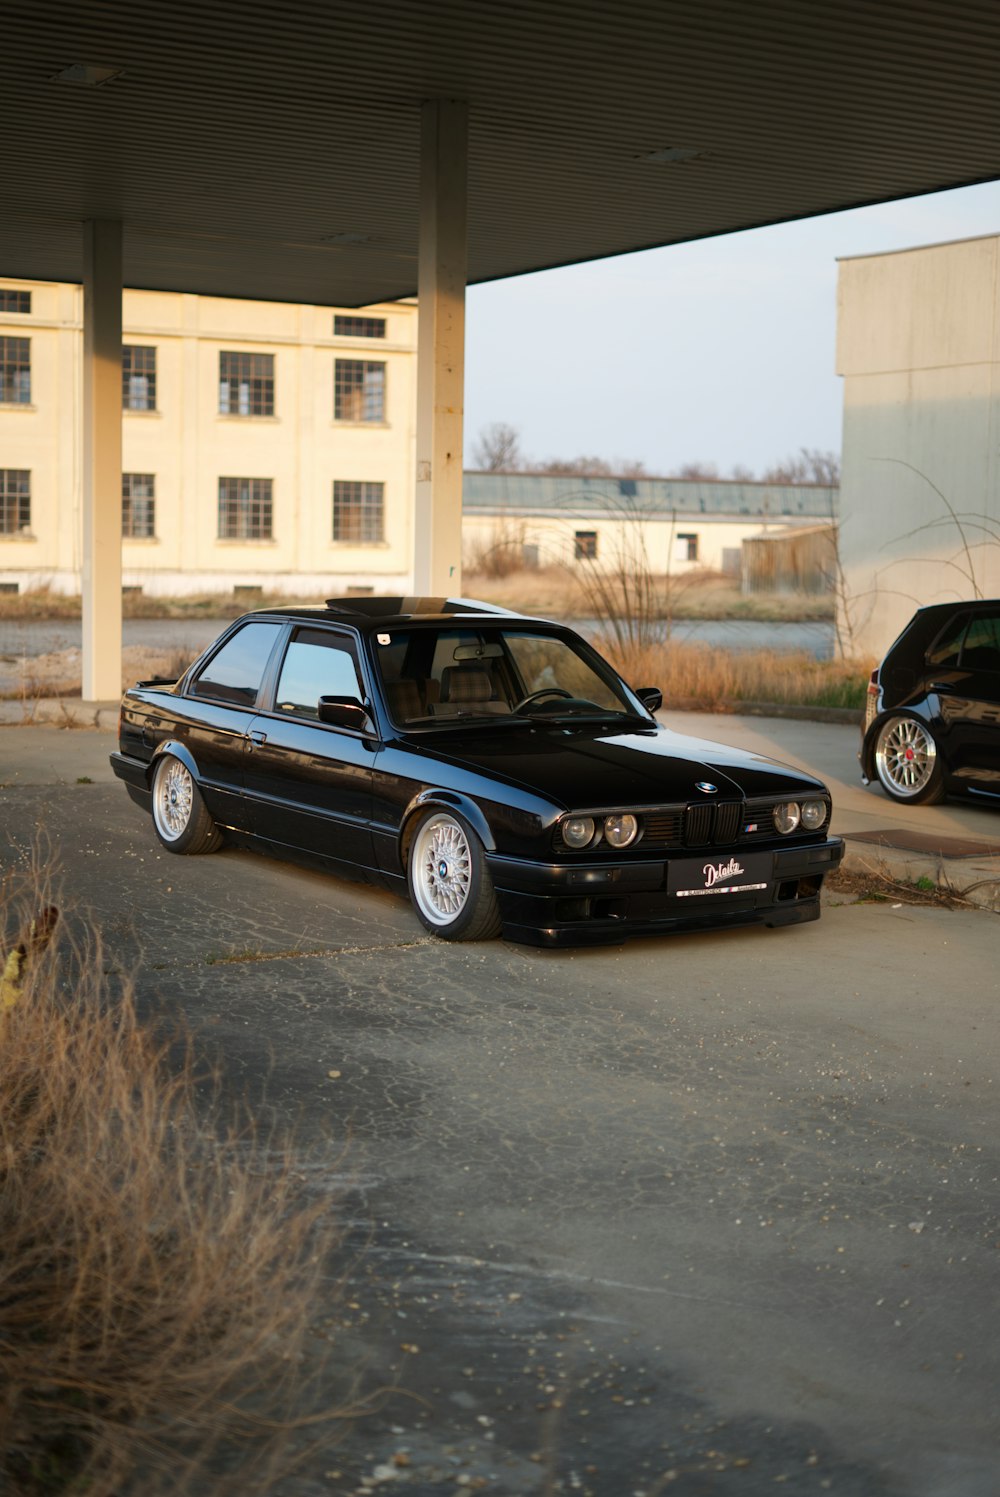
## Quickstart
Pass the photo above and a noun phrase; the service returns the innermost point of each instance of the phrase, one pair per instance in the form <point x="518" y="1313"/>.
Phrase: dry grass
<point x="158" y="1272"/>
<point x="697" y="676"/>
<point x="562" y="592"/>
<point x="43" y="603"/>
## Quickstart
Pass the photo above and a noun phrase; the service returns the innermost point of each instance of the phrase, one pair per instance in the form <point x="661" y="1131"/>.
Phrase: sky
<point x="720" y="352"/>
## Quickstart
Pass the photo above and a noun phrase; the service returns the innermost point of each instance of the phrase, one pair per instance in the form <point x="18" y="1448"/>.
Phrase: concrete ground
<point x="703" y="1214"/>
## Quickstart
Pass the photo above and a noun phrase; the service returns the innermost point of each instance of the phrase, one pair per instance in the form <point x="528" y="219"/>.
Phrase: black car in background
<point x="493" y="766"/>
<point x="932" y="724"/>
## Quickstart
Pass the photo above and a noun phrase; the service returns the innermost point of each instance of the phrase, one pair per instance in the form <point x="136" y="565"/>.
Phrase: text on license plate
<point x="691" y="878"/>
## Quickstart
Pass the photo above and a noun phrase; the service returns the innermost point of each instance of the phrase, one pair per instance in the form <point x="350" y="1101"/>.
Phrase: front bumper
<point x="567" y="904"/>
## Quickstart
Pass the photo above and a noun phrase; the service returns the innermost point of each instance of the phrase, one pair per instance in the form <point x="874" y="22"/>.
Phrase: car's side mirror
<point x="651" y="697"/>
<point x="345" y="712"/>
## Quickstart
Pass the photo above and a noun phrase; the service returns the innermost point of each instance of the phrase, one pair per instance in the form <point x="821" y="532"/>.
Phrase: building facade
<point x="918" y="345"/>
<point x="263" y="444"/>
<point x="673" y="525"/>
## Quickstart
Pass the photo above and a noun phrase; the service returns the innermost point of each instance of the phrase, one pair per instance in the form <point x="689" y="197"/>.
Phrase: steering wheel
<point x="546" y="691"/>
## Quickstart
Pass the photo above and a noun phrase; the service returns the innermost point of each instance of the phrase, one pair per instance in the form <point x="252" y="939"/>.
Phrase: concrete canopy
<point x="271" y="151"/>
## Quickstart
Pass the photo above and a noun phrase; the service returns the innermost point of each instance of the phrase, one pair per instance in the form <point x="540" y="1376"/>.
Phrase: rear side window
<point x="317" y="664"/>
<point x="945" y="650"/>
<point x="981" y="650"/>
<point x="235" y="672"/>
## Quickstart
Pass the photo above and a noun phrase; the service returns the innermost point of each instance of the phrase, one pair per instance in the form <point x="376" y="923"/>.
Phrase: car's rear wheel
<point x="906" y="761"/>
<point x="449" y="882"/>
<point x="180" y="816"/>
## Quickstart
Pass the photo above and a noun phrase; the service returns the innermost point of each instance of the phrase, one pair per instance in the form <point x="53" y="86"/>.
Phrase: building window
<point x="358" y="327"/>
<point x="585" y="545"/>
<point x="685" y="547"/>
<point x="358" y="390"/>
<point x="138" y="506"/>
<point x="15" y="371"/>
<point x="244" y="509"/>
<point x="138" y="378"/>
<point x="246" y="384"/>
<point x="15" y="501"/>
<point x="15" y="301"/>
<point x="358" y="512"/>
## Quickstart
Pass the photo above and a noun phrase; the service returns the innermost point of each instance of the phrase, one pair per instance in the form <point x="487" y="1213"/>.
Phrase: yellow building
<point x="264" y="444"/>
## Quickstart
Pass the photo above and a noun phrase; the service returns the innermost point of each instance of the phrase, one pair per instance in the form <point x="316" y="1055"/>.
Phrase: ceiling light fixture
<point x="671" y="154"/>
<point x="86" y="75"/>
<point x="349" y="236"/>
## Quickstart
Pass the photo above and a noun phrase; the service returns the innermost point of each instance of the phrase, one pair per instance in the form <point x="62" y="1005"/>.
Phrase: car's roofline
<point x="368" y="614"/>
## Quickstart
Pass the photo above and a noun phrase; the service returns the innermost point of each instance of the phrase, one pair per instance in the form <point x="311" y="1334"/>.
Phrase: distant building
<point x="678" y="525"/>
<point x="264" y="444"/>
<point x="918" y="344"/>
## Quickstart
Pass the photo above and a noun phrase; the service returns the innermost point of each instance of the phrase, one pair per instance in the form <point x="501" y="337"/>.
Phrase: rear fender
<point x="179" y="751"/>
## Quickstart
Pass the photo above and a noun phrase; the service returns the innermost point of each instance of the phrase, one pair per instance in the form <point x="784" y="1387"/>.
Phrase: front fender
<point x="443" y="800"/>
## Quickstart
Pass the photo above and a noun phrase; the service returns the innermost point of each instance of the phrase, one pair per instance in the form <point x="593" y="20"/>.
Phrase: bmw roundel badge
<point x="706" y="787"/>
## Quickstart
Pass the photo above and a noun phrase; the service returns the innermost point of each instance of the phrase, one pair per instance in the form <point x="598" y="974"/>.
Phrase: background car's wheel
<point x="179" y="815"/>
<point x="449" y="882"/>
<point x="906" y="761"/>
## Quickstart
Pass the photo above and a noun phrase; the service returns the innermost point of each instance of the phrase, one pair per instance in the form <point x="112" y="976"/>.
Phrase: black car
<point x="932" y="722"/>
<point x="493" y="765"/>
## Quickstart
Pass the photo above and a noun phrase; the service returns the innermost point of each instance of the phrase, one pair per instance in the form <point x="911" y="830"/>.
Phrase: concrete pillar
<point x="102" y="460"/>
<point x="441" y="279"/>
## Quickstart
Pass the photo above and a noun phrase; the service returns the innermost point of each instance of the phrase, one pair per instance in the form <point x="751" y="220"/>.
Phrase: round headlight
<point x="577" y="831"/>
<point x="813" y="814"/>
<point x="786" y="817"/>
<point x="621" y="830"/>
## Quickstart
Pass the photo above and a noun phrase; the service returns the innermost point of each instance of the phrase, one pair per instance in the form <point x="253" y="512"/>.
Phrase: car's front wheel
<point x="180" y="816"/>
<point x="906" y="761"/>
<point x="449" y="882"/>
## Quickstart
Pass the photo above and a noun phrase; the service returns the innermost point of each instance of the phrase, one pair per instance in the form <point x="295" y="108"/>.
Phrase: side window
<point x="235" y="672"/>
<point x="944" y="653"/>
<point x="981" y="650"/>
<point x="317" y="664"/>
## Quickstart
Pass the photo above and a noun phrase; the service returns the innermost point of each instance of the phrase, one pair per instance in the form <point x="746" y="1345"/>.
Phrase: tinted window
<point x="981" y="650"/>
<point x="234" y="674"/>
<point x="316" y="664"/>
<point x="946" y="648"/>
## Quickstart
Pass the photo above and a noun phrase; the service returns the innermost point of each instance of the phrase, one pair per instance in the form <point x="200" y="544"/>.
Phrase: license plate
<point x="693" y="878"/>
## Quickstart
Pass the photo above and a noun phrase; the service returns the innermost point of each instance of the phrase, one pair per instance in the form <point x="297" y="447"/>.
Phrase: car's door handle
<point x="255" y="738"/>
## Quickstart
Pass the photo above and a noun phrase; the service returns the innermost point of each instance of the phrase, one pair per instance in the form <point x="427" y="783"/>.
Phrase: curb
<point x="974" y="881"/>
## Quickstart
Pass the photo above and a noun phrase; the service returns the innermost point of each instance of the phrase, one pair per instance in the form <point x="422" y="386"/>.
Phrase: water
<point x="40" y="636"/>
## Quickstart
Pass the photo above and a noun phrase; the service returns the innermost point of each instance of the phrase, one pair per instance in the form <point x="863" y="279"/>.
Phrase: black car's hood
<point x="577" y="767"/>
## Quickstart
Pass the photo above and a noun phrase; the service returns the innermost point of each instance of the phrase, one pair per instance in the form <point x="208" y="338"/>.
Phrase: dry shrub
<point x="696" y="675"/>
<point x="158" y="1272"/>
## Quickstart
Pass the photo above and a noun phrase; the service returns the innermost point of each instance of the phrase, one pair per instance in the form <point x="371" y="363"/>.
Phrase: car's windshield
<point x="438" y="677"/>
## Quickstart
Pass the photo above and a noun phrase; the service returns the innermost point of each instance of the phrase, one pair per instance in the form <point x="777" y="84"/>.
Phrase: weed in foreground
<point x="158" y="1271"/>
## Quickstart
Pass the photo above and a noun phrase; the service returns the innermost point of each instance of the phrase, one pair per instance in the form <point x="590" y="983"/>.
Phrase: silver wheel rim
<point x="905" y="755"/>
<point x="172" y="799"/>
<point x="441" y="870"/>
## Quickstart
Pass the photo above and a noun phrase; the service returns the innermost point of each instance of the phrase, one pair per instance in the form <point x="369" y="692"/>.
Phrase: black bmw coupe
<point x="495" y="766"/>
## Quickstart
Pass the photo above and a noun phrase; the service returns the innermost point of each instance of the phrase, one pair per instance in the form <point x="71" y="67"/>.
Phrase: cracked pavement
<point x="704" y="1214"/>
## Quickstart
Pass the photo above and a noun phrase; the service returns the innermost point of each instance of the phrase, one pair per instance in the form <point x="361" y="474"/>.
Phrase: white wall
<point x="918" y="346"/>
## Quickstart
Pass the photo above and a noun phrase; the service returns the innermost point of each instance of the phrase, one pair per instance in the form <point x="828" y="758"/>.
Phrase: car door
<point x="975" y="707"/>
<point x="309" y="783"/>
<point x="214" y="715"/>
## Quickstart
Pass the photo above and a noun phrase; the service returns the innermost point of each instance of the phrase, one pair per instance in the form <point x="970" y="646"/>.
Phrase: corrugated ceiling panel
<point x="241" y="137"/>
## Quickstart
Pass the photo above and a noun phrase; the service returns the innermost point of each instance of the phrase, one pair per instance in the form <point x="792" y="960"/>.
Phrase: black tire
<point x="907" y="763"/>
<point x="180" y="816"/>
<point x="449" y="883"/>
